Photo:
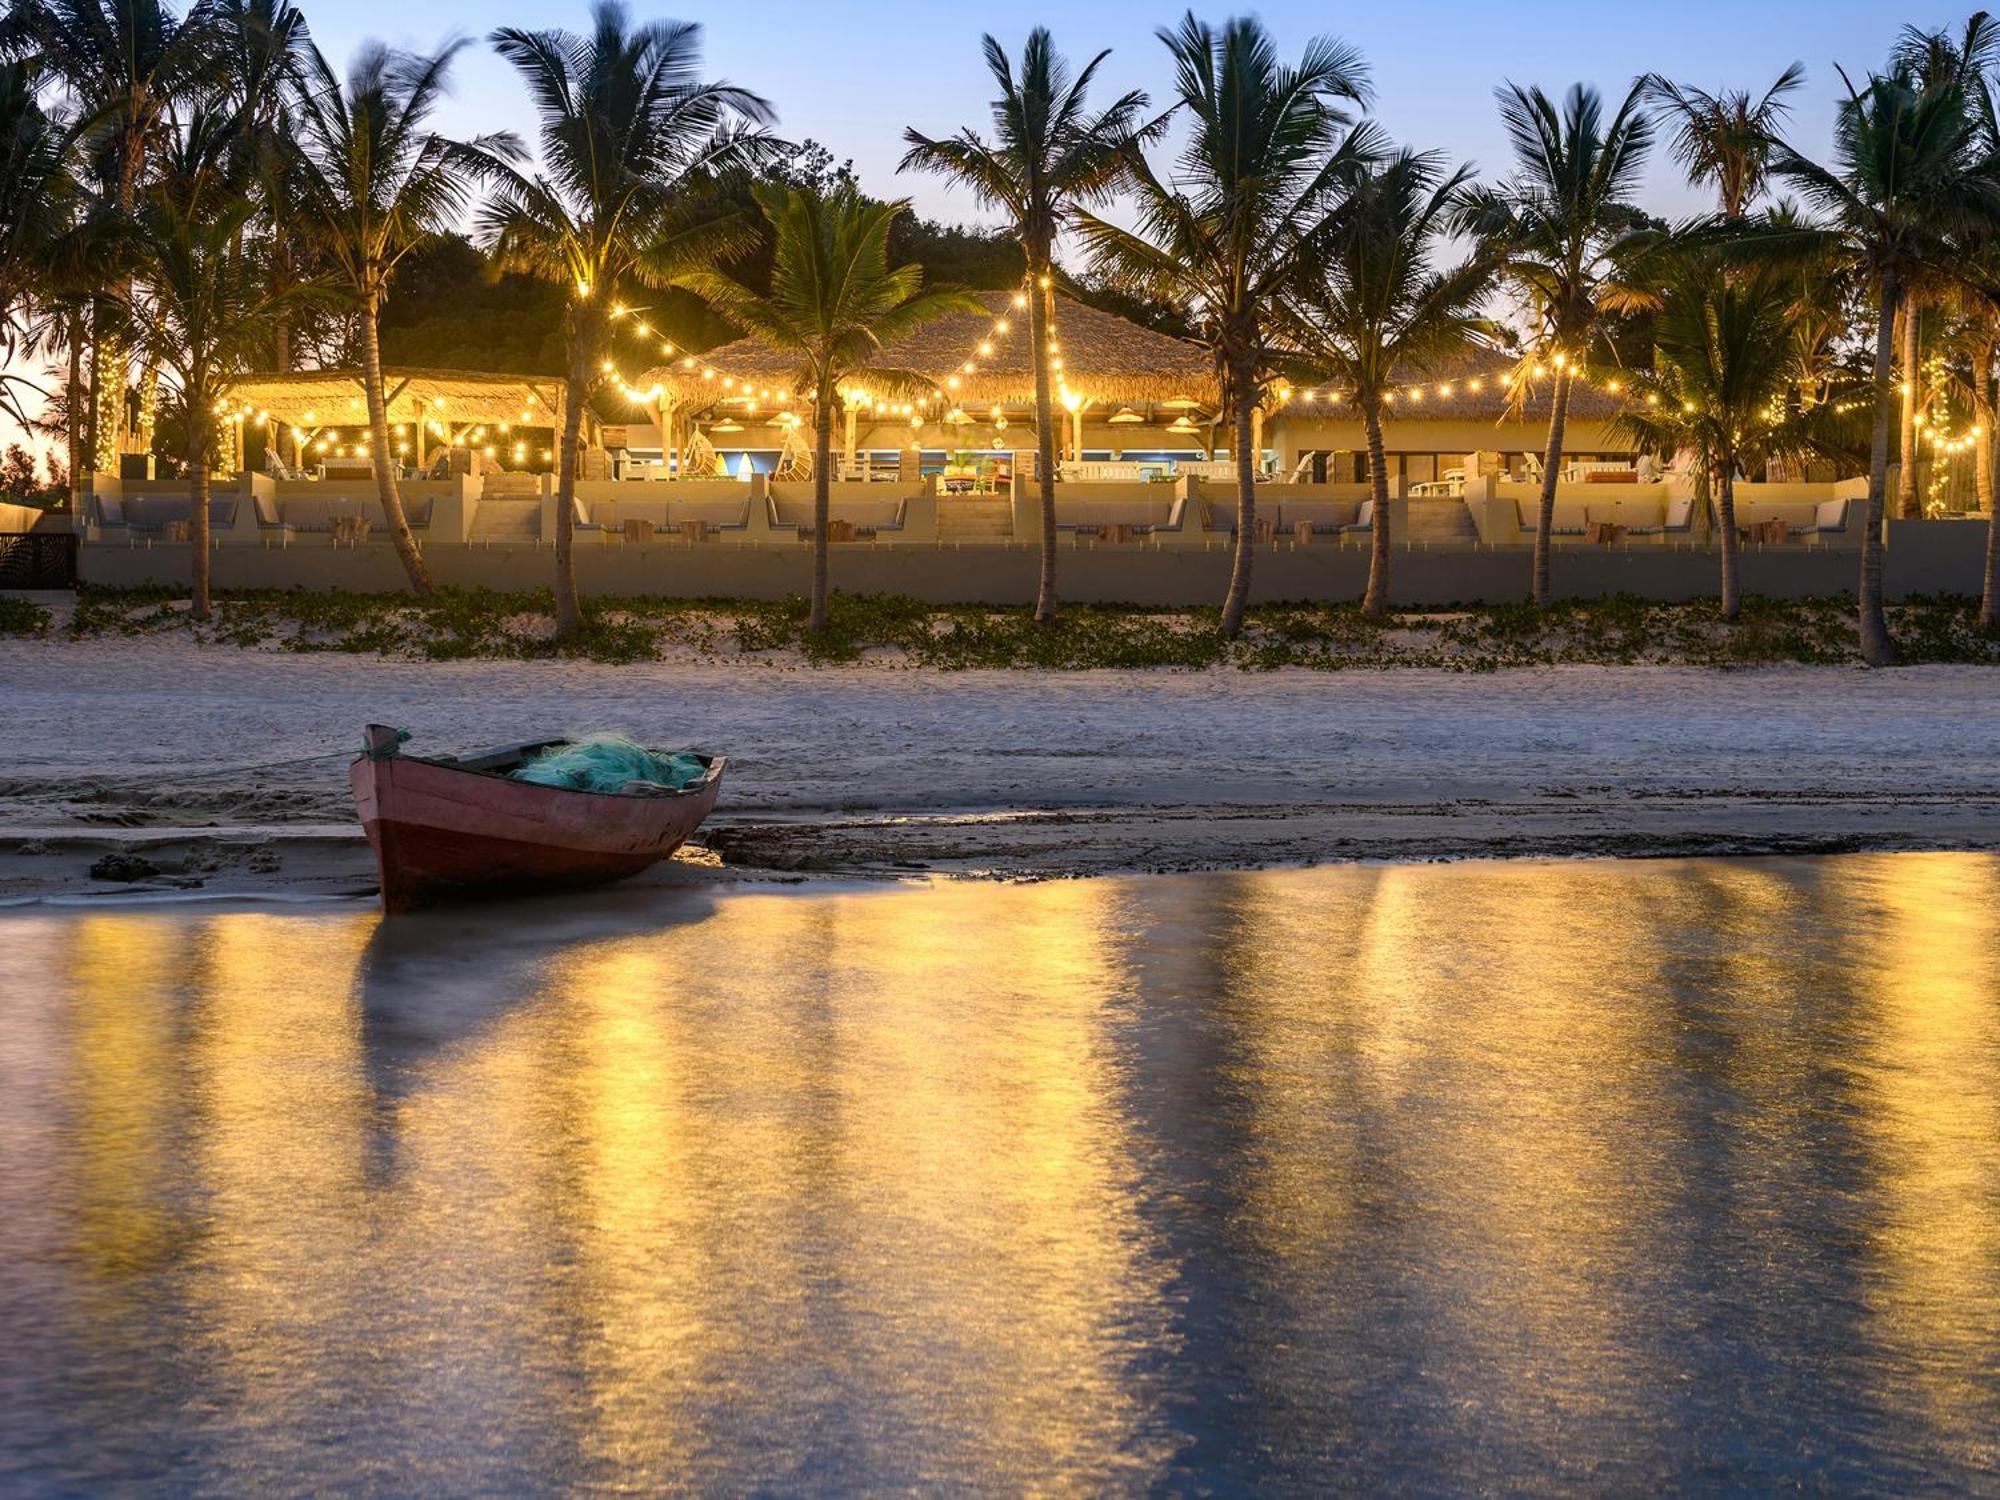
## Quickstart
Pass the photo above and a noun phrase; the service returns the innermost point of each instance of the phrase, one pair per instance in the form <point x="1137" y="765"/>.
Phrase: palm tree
<point x="1723" y="140"/>
<point x="38" y="192"/>
<point x="377" y="183"/>
<point x="1560" y="226"/>
<point x="1979" y="345"/>
<point x="1934" y="59"/>
<point x="203" y="313"/>
<point x="264" y="44"/>
<point x="629" y="133"/>
<point x="1269" y="152"/>
<point x="1371" y="307"/>
<point x="1723" y="383"/>
<point x="1048" y="154"/>
<point x="1936" y="56"/>
<point x="127" y="63"/>
<point x="1909" y="171"/>
<point x="1974" y="341"/>
<point x="834" y="303"/>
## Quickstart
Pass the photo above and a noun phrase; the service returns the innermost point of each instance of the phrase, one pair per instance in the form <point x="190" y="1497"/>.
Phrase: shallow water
<point x="1585" y="1177"/>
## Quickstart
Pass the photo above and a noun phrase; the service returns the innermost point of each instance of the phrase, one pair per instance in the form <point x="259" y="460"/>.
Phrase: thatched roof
<point x="336" y="398"/>
<point x="1476" y="388"/>
<point x="1108" y="360"/>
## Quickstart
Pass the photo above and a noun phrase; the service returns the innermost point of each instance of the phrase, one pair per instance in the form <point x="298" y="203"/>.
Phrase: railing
<point x="38" y="560"/>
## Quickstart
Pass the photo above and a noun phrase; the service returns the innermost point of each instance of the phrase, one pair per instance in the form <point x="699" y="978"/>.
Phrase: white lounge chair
<point x="1829" y="519"/>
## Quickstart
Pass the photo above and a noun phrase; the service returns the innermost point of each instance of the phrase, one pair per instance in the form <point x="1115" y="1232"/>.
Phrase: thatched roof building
<point x="336" y="398"/>
<point x="978" y="361"/>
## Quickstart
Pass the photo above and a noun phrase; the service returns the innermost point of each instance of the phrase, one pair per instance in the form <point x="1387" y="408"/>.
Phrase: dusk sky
<point x="853" y="77"/>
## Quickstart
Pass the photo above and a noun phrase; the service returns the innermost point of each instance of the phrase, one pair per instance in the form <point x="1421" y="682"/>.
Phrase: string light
<point x="1418" y="391"/>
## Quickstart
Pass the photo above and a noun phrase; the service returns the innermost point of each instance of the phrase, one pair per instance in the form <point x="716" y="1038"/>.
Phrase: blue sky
<point x="853" y="76"/>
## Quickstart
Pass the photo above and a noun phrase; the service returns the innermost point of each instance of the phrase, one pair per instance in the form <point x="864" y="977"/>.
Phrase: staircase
<point x="1439" y="523"/>
<point x="962" y="519"/>
<point x="508" y="522"/>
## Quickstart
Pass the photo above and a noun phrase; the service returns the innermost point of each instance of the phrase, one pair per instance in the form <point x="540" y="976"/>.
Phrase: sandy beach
<point x="866" y="769"/>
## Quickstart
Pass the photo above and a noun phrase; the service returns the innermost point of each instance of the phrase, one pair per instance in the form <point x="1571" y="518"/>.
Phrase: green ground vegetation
<point x="892" y="630"/>
<point x="20" y="616"/>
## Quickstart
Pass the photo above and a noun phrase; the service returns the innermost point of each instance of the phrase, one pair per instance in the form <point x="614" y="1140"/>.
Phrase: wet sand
<point x="870" y="769"/>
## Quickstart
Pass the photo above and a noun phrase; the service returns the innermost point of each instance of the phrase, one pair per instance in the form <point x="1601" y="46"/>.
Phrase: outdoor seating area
<point x="500" y="509"/>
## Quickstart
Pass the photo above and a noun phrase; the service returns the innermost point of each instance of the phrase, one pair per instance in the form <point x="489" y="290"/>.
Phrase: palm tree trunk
<point x="387" y="485"/>
<point x="281" y="321"/>
<point x="1983" y="451"/>
<point x="1376" y="600"/>
<point x="822" y="486"/>
<point x="1877" y="648"/>
<point x="583" y="332"/>
<point x="197" y="454"/>
<point x="1244" y="390"/>
<point x="1545" y="513"/>
<point x="73" y="404"/>
<point x="149" y="402"/>
<point x="1725" y="510"/>
<point x="1045" y="432"/>
<point x="1907" y="504"/>
<point x="1989" y="588"/>
<point x="107" y="388"/>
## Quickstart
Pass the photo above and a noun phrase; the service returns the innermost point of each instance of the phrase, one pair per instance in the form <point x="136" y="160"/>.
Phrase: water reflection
<point x="1531" y="1176"/>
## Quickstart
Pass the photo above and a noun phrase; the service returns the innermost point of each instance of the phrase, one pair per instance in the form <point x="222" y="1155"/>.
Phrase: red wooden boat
<point x="458" y="825"/>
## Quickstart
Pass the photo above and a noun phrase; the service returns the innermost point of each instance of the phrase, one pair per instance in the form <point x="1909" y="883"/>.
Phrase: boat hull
<point x="441" y="832"/>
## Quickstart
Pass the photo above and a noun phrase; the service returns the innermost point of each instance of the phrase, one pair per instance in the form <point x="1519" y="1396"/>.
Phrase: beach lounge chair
<point x="155" y="515"/>
<point x="713" y="515"/>
<point x="1317" y="517"/>
<point x="866" y="517"/>
<point x="1364" y="519"/>
<point x="1829" y="519"/>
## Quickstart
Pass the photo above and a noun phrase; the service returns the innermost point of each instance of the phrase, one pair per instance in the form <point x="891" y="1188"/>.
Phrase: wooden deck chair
<point x="699" y="460"/>
<point x="795" y="459"/>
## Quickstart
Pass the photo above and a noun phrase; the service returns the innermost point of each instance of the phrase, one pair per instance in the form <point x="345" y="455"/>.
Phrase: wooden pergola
<point x="427" y="408"/>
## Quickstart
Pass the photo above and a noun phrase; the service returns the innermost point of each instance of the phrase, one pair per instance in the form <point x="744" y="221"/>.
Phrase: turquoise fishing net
<point x="609" y="763"/>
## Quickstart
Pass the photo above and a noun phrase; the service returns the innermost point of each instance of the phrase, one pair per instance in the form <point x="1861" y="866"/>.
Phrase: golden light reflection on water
<point x="278" y="1112"/>
<point x="124" y="1034"/>
<point x="1474" y="1176"/>
<point x="1930" y="1124"/>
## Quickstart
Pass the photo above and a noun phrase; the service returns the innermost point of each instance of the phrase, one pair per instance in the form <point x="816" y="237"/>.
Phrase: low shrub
<point x="896" y="630"/>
